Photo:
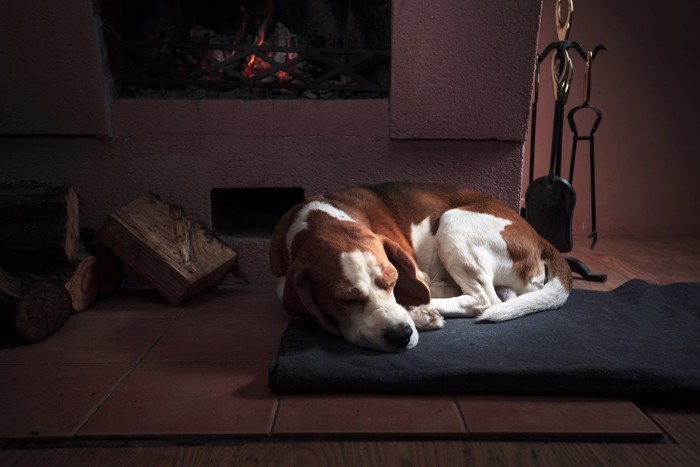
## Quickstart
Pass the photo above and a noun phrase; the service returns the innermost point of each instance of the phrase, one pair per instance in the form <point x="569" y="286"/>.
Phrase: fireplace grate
<point x="257" y="71"/>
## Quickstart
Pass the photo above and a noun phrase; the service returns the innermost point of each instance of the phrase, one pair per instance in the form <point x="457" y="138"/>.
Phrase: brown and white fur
<point x="376" y="264"/>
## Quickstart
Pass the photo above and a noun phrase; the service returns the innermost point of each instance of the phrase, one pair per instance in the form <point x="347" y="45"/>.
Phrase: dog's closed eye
<point x="352" y="303"/>
<point x="384" y="284"/>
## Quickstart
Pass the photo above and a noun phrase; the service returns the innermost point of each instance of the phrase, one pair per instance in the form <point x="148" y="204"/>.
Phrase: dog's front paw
<point x="426" y="318"/>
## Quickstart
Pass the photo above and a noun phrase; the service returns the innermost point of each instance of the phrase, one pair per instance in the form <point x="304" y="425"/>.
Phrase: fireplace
<point x="455" y="110"/>
<point x="309" y="49"/>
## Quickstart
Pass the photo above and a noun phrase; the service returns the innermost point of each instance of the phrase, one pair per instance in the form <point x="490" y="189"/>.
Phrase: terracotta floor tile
<point x="96" y="337"/>
<point x="49" y="401"/>
<point x="255" y="300"/>
<point x="187" y="399"/>
<point x="368" y="415"/>
<point x="516" y="415"/>
<point x="134" y="300"/>
<point x="206" y="337"/>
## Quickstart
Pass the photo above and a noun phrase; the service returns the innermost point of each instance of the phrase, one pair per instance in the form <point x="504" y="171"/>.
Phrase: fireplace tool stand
<point x="591" y="142"/>
<point x="550" y="200"/>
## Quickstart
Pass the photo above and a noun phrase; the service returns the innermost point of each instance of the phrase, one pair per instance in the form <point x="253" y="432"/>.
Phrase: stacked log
<point x="39" y="225"/>
<point x="79" y="277"/>
<point x="109" y="265"/>
<point x="49" y="268"/>
<point x="32" y="310"/>
<point x="47" y="272"/>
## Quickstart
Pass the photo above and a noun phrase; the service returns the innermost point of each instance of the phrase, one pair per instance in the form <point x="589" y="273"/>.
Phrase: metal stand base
<point x="581" y="269"/>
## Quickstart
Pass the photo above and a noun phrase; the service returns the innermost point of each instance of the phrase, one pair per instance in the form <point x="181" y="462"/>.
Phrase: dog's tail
<point x="552" y="295"/>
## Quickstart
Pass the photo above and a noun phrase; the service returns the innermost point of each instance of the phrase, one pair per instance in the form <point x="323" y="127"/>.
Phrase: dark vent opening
<point x="251" y="212"/>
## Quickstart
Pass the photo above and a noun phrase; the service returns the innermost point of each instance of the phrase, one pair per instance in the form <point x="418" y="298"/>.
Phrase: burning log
<point x="39" y="225"/>
<point x="32" y="311"/>
<point x="180" y="258"/>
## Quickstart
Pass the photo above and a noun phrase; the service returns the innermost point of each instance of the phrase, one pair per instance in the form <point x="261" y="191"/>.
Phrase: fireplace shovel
<point x="550" y="200"/>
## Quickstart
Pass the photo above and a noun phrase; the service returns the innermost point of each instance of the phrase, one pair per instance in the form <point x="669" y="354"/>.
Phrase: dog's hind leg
<point x="505" y="293"/>
<point x="470" y="269"/>
<point x="472" y="251"/>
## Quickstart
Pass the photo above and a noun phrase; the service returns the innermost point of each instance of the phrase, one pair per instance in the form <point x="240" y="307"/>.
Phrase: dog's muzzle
<point x="400" y="337"/>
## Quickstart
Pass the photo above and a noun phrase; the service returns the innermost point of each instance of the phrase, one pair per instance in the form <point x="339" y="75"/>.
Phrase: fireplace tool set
<point x="550" y="200"/>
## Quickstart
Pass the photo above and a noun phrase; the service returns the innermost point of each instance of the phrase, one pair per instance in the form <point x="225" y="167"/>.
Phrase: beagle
<point x="376" y="264"/>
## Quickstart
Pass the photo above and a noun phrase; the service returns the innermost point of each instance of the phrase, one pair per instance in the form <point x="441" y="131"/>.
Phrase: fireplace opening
<point x="312" y="49"/>
<point x="251" y="212"/>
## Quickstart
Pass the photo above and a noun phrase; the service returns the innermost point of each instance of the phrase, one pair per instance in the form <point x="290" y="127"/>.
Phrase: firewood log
<point x="32" y="312"/>
<point x="109" y="265"/>
<point x="79" y="278"/>
<point x="38" y="225"/>
<point x="179" y="257"/>
<point x="13" y="287"/>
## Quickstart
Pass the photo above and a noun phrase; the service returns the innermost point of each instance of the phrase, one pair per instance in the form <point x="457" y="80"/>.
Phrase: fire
<point x="254" y="64"/>
<point x="259" y="40"/>
<point x="283" y="38"/>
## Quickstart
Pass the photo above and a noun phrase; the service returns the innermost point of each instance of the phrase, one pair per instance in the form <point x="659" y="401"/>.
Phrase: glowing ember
<point x="254" y="63"/>
<point x="282" y="37"/>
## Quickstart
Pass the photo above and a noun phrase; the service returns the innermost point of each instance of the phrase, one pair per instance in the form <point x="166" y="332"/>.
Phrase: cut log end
<point x="41" y="313"/>
<point x="82" y="284"/>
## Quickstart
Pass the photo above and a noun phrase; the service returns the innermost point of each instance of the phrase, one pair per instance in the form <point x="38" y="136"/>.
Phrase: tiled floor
<point x="132" y="366"/>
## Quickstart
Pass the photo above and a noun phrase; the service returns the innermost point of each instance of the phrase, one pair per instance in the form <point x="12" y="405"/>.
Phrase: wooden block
<point x="38" y="225"/>
<point x="179" y="257"/>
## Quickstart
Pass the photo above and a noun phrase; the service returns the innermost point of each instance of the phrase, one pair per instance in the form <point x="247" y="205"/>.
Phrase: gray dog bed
<point x="638" y="341"/>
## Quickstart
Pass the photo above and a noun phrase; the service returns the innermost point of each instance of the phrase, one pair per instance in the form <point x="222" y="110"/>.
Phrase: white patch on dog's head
<point x="300" y="222"/>
<point x="361" y="268"/>
<point x="380" y="313"/>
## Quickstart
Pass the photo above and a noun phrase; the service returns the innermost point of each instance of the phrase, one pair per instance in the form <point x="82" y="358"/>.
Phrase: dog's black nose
<point x="399" y="337"/>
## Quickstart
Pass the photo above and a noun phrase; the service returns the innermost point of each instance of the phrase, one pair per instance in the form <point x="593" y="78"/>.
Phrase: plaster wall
<point x="647" y="159"/>
<point x="51" y="76"/>
<point x="182" y="165"/>
<point x="462" y="69"/>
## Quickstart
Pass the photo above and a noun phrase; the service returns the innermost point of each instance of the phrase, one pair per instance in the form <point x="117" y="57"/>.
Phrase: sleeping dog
<point x="376" y="264"/>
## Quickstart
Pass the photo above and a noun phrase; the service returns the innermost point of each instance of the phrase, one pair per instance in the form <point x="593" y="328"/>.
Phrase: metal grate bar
<point x="216" y="66"/>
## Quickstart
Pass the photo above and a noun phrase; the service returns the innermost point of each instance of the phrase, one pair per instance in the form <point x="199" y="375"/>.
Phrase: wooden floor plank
<point x="642" y="455"/>
<point x="656" y="261"/>
<point x="365" y="453"/>
<point x="683" y="425"/>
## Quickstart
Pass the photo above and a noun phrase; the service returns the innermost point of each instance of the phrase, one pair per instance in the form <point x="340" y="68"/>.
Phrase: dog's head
<point x="355" y="283"/>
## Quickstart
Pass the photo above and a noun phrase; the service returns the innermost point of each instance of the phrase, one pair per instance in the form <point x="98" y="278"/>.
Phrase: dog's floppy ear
<point x="300" y="301"/>
<point x="409" y="290"/>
